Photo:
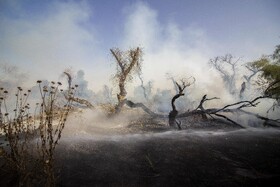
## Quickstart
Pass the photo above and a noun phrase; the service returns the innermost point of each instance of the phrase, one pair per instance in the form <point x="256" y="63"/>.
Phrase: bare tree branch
<point x="75" y="99"/>
<point x="227" y="69"/>
<point x="117" y="56"/>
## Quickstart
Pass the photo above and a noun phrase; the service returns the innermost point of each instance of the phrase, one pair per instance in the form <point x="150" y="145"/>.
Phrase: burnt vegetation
<point x="260" y="76"/>
<point x="30" y="138"/>
<point x="266" y="70"/>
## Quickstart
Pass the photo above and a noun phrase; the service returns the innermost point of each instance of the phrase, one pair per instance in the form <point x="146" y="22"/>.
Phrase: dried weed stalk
<point x="52" y="119"/>
<point x="20" y="129"/>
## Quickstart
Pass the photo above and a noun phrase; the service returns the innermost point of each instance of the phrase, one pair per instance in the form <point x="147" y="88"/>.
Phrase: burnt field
<point x="192" y="157"/>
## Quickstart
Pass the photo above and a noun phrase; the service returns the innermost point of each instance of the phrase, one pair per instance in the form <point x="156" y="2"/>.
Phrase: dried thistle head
<point x="45" y="89"/>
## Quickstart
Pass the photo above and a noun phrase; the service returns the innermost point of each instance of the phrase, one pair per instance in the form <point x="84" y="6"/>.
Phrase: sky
<point x="43" y="38"/>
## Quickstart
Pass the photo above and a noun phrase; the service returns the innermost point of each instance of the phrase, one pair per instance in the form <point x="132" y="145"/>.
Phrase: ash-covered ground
<point x="141" y="151"/>
<point x="146" y="154"/>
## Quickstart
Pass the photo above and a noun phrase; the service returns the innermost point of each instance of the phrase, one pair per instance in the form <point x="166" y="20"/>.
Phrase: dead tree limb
<point x="228" y="119"/>
<point x="69" y="79"/>
<point x="82" y="102"/>
<point x="146" y="109"/>
<point x="75" y="99"/>
<point x="237" y="107"/>
<point x="200" y="110"/>
<point x="253" y="69"/>
<point x="227" y="67"/>
<point x="142" y="86"/>
<point x="267" y="121"/>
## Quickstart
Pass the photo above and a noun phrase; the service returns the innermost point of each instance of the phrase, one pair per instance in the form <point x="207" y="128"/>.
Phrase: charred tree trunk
<point x="128" y="63"/>
<point x="173" y="114"/>
<point x="121" y="96"/>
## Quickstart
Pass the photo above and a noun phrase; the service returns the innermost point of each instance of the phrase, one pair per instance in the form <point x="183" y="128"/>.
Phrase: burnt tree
<point x="213" y="113"/>
<point x="128" y="63"/>
<point x="172" y="115"/>
<point x="227" y="67"/>
<point x="237" y="108"/>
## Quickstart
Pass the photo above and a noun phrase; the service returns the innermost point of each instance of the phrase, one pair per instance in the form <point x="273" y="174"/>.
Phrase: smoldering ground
<point x="97" y="151"/>
<point x="172" y="158"/>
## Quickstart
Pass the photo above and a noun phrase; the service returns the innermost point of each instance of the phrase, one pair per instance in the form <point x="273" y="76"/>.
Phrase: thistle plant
<point x="52" y="114"/>
<point x="18" y="128"/>
<point x="21" y="128"/>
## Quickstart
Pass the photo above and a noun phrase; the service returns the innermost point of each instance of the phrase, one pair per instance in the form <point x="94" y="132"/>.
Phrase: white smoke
<point x="64" y="36"/>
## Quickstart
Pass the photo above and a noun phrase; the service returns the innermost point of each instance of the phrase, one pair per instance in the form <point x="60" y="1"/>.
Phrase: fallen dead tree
<point x="237" y="107"/>
<point x="213" y="113"/>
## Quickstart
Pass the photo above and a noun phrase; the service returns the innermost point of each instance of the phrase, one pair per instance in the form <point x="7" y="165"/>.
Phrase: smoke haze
<point x="68" y="34"/>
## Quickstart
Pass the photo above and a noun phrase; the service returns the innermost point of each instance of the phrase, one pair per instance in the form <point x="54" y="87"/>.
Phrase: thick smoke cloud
<point x="181" y="51"/>
<point x="64" y="36"/>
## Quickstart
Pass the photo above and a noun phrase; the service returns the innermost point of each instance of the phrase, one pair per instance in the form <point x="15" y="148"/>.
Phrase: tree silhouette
<point x="227" y="67"/>
<point x="181" y="87"/>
